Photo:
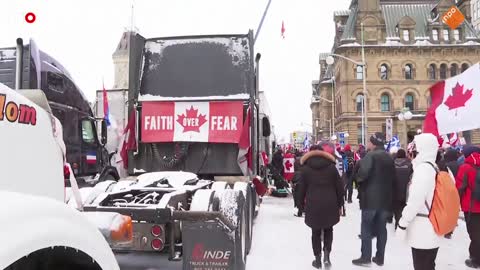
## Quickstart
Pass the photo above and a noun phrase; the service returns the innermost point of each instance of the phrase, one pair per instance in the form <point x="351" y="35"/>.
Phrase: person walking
<point x="468" y="184"/>
<point x="415" y="226"/>
<point x="296" y="182"/>
<point x="403" y="170"/>
<point x="321" y="190"/>
<point x="376" y="180"/>
<point x="349" y="166"/>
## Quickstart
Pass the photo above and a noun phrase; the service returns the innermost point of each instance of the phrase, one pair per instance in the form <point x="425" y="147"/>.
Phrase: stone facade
<point x="407" y="50"/>
<point x="120" y="61"/>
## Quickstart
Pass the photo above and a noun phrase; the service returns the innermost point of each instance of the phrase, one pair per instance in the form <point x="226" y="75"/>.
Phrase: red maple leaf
<point x="458" y="98"/>
<point x="192" y="121"/>
<point x="288" y="165"/>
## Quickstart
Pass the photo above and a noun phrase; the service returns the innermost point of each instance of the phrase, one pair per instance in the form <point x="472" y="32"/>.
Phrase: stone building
<point x="120" y="61"/>
<point x="476" y="14"/>
<point x="407" y="50"/>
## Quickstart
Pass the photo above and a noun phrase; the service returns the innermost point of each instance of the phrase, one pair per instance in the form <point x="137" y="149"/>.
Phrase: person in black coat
<point x="450" y="158"/>
<point x="322" y="191"/>
<point x="404" y="170"/>
<point x="296" y="182"/>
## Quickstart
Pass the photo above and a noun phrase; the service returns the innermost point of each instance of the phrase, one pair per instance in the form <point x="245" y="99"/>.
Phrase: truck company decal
<point x="204" y="259"/>
<point x="14" y="112"/>
<point x="215" y="122"/>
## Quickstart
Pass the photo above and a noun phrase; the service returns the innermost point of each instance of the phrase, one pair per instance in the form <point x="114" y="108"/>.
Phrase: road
<point x="281" y="241"/>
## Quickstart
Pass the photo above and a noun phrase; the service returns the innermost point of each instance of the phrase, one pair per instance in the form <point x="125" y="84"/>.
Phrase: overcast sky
<point x="82" y="35"/>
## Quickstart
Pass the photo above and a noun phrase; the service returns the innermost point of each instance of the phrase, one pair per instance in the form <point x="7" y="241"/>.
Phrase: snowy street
<point x="282" y="241"/>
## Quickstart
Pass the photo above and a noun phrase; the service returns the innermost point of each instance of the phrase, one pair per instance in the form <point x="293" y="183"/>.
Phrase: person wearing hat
<point x="376" y="177"/>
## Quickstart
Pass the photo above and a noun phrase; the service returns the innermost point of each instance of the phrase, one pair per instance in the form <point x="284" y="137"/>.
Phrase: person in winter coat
<point x="277" y="161"/>
<point x="450" y="158"/>
<point x="403" y="170"/>
<point x="376" y="181"/>
<point x="322" y="192"/>
<point x="417" y="230"/>
<point x="465" y="182"/>
<point x="296" y="182"/>
<point x="350" y="165"/>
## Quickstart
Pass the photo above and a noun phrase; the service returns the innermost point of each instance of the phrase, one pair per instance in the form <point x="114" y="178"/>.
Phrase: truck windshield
<point x="197" y="67"/>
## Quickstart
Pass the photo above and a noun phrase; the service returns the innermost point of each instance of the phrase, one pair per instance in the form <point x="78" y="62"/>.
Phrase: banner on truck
<point x="215" y="122"/>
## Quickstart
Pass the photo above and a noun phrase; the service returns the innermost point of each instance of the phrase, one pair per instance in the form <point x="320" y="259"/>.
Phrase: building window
<point x="359" y="72"/>
<point x="385" y="103"/>
<point x="443" y="71"/>
<point x="384" y="72"/>
<point x="456" y="34"/>
<point x="432" y="72"/>
<point x="409" y="102"/>
<point x="359" y="135"/>
<point x="465" y="66"/>
<point x="408" y="72"/>
<point x="434" y="34"/>
<point x="406" y="35"/>
<point x="453" y="70"/>
<point x="359" y="102"/>
<point x="445" y="34"/>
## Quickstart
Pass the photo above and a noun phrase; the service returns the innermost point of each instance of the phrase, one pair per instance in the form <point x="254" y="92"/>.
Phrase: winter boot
<point x="362" y="261"/>
<point x="472" y="264"/>
<point x="377" y="261"/>
<point x="326" y="259"/>
<point x="317" y="263"/>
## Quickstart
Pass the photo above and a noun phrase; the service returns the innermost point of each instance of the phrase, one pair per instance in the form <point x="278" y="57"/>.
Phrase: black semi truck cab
<point x="85" y="152"/>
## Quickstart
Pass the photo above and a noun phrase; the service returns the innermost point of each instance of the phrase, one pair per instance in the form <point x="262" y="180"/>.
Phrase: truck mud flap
<point x="208" y="245"/>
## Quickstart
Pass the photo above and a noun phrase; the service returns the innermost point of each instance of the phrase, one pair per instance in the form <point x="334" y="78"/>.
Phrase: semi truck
<point x="85" y="152"/>
<point x="194" y="141"/>
<point x="39" y="231"/>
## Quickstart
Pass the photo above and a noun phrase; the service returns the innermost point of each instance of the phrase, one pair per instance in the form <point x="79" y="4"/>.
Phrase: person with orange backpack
<point x="468" y="184"/>
<point x="433" y="204"/>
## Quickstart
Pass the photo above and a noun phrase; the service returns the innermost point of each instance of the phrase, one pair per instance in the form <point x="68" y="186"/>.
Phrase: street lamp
<point x="330" y="60"/>
<point x="405" y="115"/>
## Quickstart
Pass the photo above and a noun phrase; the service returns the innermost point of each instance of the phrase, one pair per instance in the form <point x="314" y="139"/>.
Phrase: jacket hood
<point x="427" y="147"/>
<point x="473" y="159"/>
<point x="317" y="159"/>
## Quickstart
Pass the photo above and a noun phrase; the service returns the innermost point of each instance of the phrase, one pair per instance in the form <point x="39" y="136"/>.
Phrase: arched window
<point x="359" y="72"/>
<point x="359" y="102"/>
<point x="384" y="72"/>
<point x="465" y="66"/>
<point x="443" y="71"/>
<point x="408" y="72"/>
<point x="385" y="103"/>
<point x="432" y="72"/>
<point x="453" y="70"/>
<point x="409" y="102"/>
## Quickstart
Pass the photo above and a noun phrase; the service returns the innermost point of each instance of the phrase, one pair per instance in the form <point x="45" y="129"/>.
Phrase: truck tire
<point x="221" y="185"/>
<point x="232" y="206"/>
<point x="202" y="200"/>
<point x="246" y="189"/>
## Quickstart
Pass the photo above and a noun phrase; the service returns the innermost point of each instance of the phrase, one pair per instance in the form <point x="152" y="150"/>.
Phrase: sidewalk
<point x="281" y="241"/>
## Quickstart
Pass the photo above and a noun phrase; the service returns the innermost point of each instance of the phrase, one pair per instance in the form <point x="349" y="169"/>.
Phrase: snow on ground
<point x="281" y="241"/>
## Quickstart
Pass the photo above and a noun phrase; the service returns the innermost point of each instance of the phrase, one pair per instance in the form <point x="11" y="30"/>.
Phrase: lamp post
<point x="405" y="115"/>
<point x="331" y="60"/>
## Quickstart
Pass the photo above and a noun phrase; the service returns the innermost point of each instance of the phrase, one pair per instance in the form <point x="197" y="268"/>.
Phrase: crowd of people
<point x="392" y="187"/>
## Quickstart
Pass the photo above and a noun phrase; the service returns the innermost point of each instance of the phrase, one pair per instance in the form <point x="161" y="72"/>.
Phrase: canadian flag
<point x="454" y="104"/>
<point x="244" y="149"/>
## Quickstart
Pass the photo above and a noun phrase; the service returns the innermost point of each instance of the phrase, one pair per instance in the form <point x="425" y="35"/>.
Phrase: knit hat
<point x="468" y="150"/>
<point x="347" y="148"/>
<point x="378" y="139"/>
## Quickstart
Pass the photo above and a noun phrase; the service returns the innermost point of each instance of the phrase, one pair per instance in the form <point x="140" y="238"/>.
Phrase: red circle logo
<point x="30" y="17"/>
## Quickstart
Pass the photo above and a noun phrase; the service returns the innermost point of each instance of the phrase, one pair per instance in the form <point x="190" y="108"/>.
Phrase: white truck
<point x="39" y="231"/>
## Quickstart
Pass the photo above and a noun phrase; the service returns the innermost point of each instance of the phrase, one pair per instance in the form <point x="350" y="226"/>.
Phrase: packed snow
<point x="149" y="97"/>
<point x="176" y="179"/>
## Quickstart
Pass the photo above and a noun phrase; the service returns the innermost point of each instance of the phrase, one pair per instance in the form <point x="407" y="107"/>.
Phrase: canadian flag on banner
<point x="455" y="104"/>
<point x="244" y="149"/>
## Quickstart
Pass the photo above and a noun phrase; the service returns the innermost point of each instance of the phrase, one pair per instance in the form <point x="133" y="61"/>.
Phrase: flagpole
<point x="261" y="21"/>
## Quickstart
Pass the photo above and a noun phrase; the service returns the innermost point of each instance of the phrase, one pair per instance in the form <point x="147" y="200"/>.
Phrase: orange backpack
<point x="445" y="208"/>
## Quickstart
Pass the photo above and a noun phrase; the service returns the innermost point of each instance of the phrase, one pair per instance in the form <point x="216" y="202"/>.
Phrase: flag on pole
<point x="106" y="111"/>
<point x="454" y="104"/>
<point x="283" y="30"/>
<point x="245" y="151"/>
<point x="306" y="142"/>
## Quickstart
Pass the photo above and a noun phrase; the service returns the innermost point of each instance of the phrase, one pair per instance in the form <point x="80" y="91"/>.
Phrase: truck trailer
<point x="193" y="150"/>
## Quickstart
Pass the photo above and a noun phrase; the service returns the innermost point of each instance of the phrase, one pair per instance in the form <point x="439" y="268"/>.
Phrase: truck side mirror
<point x="104" y="132"/>
<point x="266" y="127"/>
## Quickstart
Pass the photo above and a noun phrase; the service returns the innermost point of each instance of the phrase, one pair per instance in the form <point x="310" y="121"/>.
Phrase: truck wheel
<point x="202" y="200"/>
<point x="245" y="188"/>
<point x="232" y="206"/>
